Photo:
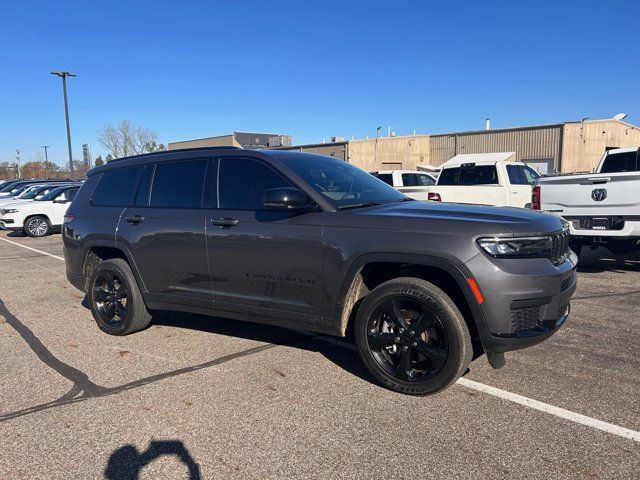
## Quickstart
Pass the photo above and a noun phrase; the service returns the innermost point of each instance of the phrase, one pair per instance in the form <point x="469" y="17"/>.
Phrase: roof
<point x="487" y="158"/>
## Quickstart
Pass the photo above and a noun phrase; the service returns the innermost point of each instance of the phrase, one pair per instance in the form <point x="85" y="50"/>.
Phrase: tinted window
<point x="115" y="188"/>
<point x="410" y="180"/>
<point x="243" y="182"/>
<point x="178" y="184"/>
<point x="449" y="176"/>
<point x="67" y="195"/>
<point x="142" y="196"/>
<point x="425" y="180"/>
<point x="620" y="162"/>
<point x="478" y="175"/>
<point x="516" y="175"/>
<point x="531" y="174"/>
<point x="385" y="177"/>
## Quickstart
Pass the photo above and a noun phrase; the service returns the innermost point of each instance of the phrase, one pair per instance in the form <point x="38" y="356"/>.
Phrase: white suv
<point x="41" y="216"/>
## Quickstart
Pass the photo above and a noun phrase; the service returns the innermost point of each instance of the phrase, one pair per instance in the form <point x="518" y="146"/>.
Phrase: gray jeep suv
<point x="308" y="241"/>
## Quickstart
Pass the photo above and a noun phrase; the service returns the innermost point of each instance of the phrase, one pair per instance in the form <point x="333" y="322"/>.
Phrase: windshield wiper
<point x="408" y="199"/>
<point x="358" y="205"/>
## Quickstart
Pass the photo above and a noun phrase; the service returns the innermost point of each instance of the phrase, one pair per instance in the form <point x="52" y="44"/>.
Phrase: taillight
<point x="433" y="196"/>
<point x="69" y="217"/>
<point x="535" y="198"/>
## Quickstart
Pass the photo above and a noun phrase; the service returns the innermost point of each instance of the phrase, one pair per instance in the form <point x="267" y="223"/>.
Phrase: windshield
<point x="8" y="187"/>
<point x="25" y="190"/>
<point x="342" y="184"/>
<point x="33" y="193"/>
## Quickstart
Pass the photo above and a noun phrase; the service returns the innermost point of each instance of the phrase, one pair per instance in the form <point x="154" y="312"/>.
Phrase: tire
<point x="576" y="247"/>
<point x="434" y="344"/>
<point x="37" y="226"/>
<point x="115" y="299"/>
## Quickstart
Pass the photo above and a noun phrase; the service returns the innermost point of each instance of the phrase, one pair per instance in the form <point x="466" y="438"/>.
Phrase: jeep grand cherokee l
<point x="308" y="241"/>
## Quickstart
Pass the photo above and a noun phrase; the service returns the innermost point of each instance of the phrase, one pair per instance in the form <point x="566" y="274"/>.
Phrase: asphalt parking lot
<point x="209" y="397"/>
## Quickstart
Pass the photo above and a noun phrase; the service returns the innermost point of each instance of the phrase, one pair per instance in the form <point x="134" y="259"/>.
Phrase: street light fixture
<point x="64" y="76"/>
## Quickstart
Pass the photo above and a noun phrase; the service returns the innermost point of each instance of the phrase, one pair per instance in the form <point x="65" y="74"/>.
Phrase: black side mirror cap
<point x="286" y="198"/>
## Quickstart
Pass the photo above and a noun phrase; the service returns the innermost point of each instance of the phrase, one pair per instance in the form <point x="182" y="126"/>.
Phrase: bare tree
<point x="125" y="139"/>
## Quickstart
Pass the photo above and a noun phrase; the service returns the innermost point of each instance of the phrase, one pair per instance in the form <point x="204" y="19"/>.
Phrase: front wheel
<point x="412" y="337"/>
<point x="37" y="226"/>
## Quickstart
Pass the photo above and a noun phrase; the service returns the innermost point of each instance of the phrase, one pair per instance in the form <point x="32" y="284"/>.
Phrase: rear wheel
<point x="37" y="226"/>
<point x="115" y="299"/>
<point x="412" y="337"/>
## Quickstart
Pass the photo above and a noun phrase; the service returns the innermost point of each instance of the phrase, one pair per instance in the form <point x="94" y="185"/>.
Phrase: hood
<point x="15" y="204"/>
<point x="518" y="221"/>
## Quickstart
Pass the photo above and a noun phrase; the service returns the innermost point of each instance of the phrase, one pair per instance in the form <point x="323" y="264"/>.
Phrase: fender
<point x="117" y="246"/>
<point x="352" y="288"/>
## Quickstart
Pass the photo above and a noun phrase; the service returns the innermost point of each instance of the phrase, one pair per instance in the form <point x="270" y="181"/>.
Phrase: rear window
<point x="621" y="162"/>
<point x="116" y="187"/>
<point x="178" y="184"/>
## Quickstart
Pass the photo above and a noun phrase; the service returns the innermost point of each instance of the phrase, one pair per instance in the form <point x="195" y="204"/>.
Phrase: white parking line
<point x="558" y="412"/>
<point x="503" y="394"/>
<point x="33" y="249"/>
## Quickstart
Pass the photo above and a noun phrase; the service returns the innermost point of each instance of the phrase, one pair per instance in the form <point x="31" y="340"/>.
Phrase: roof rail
<point x="173" y="151"/>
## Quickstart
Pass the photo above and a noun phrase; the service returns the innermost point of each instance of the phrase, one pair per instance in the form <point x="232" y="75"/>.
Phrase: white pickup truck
<point x="602" y="208"/>
<point x="484" y="181"/>
<point x="412" y="183"/>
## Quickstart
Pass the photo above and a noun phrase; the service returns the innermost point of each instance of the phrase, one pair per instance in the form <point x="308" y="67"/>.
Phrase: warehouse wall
<point x="584" y="142"/>
<point x="223" y="141"/>
<point x="389" y="152"/>
<point x="529" y="143"/>
<point x="337" y="149"/>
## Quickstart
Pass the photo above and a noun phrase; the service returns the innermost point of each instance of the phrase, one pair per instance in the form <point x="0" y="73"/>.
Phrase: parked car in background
<point x="39" y="217"/>
<point x="484" y="182"/>
<point x="602" y="208"/>
<point x="412" y="183"/>
<point x="308" y="241"/>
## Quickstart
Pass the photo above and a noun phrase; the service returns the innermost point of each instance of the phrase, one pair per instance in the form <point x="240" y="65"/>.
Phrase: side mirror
<point x="60" y="200"/>
<point x="284" y="199"/>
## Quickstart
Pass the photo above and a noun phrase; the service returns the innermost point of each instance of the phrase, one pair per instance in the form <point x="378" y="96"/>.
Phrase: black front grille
<point x="559" y="247"/>
<point x="524" y="318"/>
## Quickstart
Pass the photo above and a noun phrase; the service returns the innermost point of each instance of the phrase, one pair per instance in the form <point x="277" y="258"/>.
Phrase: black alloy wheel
<point x="110" y="297"/>
<point x="407" y="338"/>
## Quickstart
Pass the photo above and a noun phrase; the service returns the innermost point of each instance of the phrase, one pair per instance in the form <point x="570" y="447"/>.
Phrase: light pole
<point x="46" y="157"/>
<point x="64" y="76"/>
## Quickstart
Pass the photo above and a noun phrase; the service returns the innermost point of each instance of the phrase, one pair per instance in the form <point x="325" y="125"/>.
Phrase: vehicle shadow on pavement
<point x="127" y="462"/>
<point x="601" y="260"/>
<point x="340" y="351"/>
<point x="17" y="233"/>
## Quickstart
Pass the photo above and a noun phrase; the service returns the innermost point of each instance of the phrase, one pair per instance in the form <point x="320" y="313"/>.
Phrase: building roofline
<point x="199" y="139"/>
<point x="311" y="145"/>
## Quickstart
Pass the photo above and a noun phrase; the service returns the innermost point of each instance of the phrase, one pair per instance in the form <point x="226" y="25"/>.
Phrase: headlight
<point x="8" y="210"/>
<point x="534" y="247"/>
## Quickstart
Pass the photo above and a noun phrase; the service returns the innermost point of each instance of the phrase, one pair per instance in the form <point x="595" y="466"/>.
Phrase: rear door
<point x="261" y="260"/>
<point x="164" y="231"/>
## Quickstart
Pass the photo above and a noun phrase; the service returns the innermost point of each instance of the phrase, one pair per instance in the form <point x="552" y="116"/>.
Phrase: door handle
<point x="225" y="222"/>
<point x="135" y="219"/>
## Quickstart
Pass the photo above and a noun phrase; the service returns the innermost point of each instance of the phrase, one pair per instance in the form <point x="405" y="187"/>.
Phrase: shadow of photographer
<point x="127" y="462"/>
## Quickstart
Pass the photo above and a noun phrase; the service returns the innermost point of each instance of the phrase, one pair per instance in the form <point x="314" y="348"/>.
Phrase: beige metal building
<point x="236" y="139"/>
<point x="561" y="147"/>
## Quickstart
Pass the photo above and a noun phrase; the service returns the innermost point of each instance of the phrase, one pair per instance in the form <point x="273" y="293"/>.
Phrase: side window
<point x="410" y="180"/>
<point x="178" y="184"/>
<point x="449" y="176"/>
<point x="142" y="195"/>
<point x="516" y="175"/>
<point x="531" y="174"/>
<point x="71" y="194"/>
<point x="425" y="180"/>
<point x="115" y="188"/>
<point x="242" y="183"/>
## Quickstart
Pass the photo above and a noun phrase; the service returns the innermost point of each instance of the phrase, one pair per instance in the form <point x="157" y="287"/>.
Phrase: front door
<point x="262" y="261"/>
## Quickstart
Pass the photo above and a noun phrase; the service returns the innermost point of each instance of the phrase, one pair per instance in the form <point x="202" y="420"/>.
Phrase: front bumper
<point x="525" y="300"/>
<point x="9" y="224"/>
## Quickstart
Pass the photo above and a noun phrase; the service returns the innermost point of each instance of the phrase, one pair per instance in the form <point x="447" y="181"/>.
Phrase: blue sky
<point x="310" y="69"/>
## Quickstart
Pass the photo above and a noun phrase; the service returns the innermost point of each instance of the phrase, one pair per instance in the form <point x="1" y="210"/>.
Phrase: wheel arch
<point x="364" y="274"/>
<point x="101" y="250"/>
